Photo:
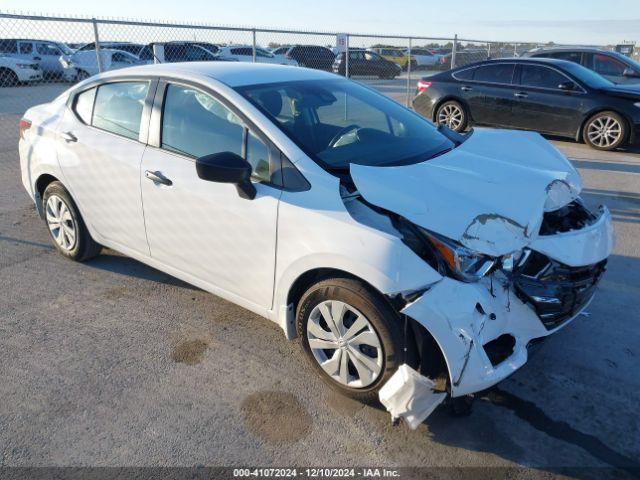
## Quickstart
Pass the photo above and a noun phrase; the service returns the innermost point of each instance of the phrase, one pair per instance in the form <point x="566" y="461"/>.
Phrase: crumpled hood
<point x="489" y="193"/>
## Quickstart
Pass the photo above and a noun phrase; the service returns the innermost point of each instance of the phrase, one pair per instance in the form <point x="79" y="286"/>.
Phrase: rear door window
<point x="570" y="56"/>
<point x="541" y="77"/>
<point x="26" y="47"/>
<point x="494" y="73"/>
<point x="118" y="107"/>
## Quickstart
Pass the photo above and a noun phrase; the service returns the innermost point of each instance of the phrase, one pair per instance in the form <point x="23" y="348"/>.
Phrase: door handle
<point x="466" y="88"/>
<point x="157" y="177"/>
<point x="521" y="94"/>
<point x="69" y="137"/>
<point x="37" y="58"/>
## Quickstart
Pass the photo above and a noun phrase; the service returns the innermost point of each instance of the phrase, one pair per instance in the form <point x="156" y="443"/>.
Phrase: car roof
<point x="233" y="74"/>
<point x="567" y="49"/>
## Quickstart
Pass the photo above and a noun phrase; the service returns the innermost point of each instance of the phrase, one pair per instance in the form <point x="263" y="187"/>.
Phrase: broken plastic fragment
<point x="409" y="395"/>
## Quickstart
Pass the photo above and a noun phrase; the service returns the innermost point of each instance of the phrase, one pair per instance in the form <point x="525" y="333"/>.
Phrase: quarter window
<point x="118" y="107"/>
<point x="542" y="77"/>
<point x="84" y="105"/>
<point x="496" y="73"/>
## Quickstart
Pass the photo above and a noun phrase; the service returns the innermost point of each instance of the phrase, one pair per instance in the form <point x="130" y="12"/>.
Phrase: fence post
<point x="489" y="51"/>
<point x="346" y="57"/>
<point x="515" y="49"/>
<point x="454" y="50"/>
<point x="253" y="45"/>
<point x="97" y="42"/>
<point x="409" y="75"/>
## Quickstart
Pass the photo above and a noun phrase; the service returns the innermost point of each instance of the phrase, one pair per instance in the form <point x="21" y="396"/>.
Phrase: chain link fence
<point x="42" y="56"/>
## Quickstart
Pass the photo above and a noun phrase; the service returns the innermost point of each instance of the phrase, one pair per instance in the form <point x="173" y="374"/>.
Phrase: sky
<point x="561" y="21"/>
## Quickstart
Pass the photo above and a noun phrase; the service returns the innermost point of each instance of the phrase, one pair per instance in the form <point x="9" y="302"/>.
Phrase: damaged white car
<point x="351" y="221"/>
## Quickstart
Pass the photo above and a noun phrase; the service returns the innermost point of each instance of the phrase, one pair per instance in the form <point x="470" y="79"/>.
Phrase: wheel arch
<point x="41" y="183"/>
<point x="430" y="358"/>
<point x="447" y="98"/>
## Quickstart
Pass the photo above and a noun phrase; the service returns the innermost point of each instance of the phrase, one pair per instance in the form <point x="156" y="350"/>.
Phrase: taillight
<point x="423" y="85"/>
<point x="24" y="126"/>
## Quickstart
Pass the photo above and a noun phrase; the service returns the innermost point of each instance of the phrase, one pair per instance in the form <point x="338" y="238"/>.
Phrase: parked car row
<point x="548" y="95"/>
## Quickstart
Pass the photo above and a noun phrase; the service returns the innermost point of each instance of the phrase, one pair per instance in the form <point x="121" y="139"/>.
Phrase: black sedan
<point x="555" y="97"/>
<point x="364" y="62"/>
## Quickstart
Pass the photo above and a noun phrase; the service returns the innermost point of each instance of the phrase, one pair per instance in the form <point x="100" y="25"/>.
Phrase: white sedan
<point x="349" y="220"/>
<point x="244" y="53"/>
<point x="84" y="63"/>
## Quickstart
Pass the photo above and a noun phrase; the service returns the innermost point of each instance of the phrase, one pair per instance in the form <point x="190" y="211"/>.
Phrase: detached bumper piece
<point x="556" y="291"/>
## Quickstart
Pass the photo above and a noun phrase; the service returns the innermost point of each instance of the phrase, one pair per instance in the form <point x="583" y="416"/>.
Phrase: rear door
<point x="488" y="92"/>
<point x="541" y="105"/>
<point x="102" y="138"/>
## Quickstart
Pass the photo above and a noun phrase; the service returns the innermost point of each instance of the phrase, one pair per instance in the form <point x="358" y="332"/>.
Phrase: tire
<point x="605" y="131"/>
<point x="82" y="75"/>
<point x="8" y="78"/>
<point x="353" y="297"/>
<point x="71" y="237"/>
<point x="453" y="115"/>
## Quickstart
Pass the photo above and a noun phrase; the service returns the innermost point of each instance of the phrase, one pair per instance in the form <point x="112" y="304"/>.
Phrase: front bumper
<point x="484" y="329"/>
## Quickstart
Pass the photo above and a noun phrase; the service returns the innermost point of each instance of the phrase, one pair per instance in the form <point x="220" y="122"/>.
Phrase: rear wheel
<point x="351" y="336"/>
<point x="605" y="131"/>
<point x="67" y="228"/>
<point x="8" y="78"/>
<point x="82" y="75"/>
<point x="453" y="115"/>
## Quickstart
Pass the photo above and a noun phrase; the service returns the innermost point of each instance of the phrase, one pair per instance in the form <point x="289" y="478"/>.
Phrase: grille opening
<point x="500" y="349"/>
<point x="573" y="216"/>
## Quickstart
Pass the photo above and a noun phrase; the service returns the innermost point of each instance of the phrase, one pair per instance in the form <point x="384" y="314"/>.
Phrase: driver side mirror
<point x="227" y="167"/>
<point x="567" y="86"/>
<point x="630" y="72"/>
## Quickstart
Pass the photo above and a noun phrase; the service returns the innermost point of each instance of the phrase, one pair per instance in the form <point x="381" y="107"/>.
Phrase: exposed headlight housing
<point x="461" y="262"/>
<point x="559" y="194"/>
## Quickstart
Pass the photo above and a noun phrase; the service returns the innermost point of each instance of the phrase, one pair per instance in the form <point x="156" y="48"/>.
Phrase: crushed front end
<point x="485" y="328"/>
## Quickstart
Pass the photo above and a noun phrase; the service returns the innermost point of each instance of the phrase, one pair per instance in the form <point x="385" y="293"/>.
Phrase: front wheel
<point x="82" y="75"/>
<point x="605" y="131"/>
<point x="453" y="115"/>
<point x="351" y="336"/>
<point x="67" y="228"/>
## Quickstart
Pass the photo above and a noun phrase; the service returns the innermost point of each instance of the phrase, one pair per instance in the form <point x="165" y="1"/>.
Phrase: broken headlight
<point x="462" y="263"/>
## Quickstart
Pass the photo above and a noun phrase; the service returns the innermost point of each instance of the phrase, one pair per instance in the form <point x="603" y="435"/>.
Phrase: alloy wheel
<point x="452" y="116"/>
<point x="345" y="344"/>
<point x="604" y="131"/>
<point x="61" y="223"/>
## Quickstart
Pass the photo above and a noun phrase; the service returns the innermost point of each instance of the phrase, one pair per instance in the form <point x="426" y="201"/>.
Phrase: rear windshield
<point x="589" y="77"/>
<point x="339" y="122"/>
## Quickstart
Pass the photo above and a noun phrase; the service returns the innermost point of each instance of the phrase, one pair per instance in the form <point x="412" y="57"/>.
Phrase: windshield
<point x="65" y="49"/>
<point x="339" y="122"/>
<point x="589" y="77"/>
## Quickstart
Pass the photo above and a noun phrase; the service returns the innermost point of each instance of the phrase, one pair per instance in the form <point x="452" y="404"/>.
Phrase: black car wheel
<point x="605" y="131"/>
<point x="453" y="115"/>
<point x="8" y="78"/>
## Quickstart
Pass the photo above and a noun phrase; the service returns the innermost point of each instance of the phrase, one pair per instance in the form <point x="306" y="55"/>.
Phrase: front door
<point x="204" y="229"/>
<point x="542" y="106"/>
<point x="100" y="151"/>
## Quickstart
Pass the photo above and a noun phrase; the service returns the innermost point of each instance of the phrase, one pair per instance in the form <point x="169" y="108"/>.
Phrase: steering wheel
<point x="343" y="131"/>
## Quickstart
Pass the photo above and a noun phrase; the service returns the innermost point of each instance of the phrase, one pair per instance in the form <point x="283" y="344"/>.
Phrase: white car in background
<point x="424" y="57"/>
<point x="83" y="64"/>
<point x="349" y="220"/>
<point x="244" y="53"/>
<point x="14" y="71"/>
